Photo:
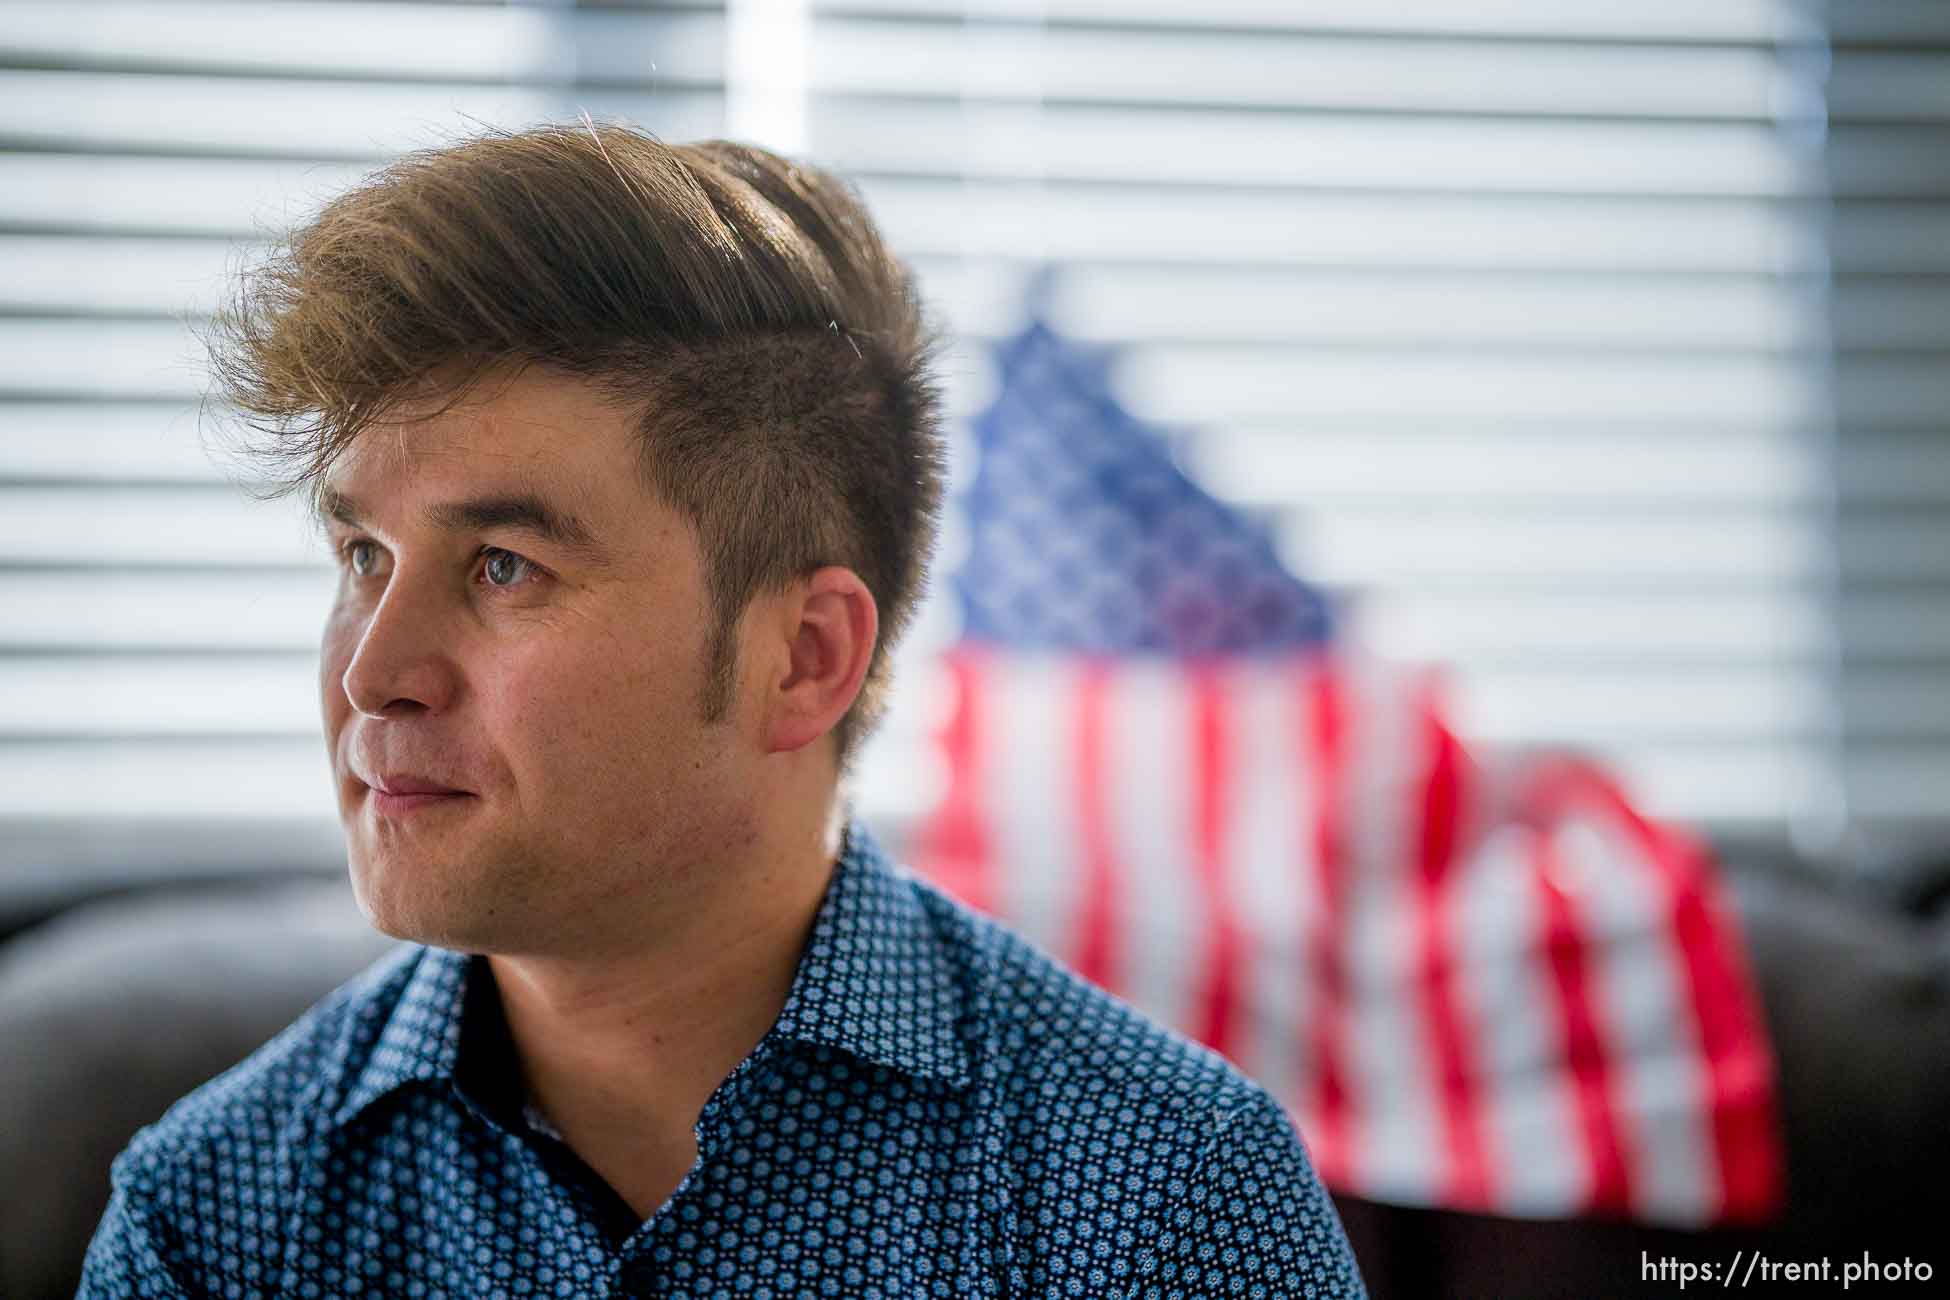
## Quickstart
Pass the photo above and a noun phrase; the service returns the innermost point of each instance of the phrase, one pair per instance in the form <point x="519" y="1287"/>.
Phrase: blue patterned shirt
<point x="940" y="1110"/>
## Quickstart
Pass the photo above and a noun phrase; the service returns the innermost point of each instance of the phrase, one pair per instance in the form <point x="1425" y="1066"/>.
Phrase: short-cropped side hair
<point x="776" y="348"/>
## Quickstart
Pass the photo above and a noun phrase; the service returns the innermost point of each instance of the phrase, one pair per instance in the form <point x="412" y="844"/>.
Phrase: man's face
<point x="518" y="619"/>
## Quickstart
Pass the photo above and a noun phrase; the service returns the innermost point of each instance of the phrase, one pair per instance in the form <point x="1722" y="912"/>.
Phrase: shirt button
<point x="638" y="1279"/>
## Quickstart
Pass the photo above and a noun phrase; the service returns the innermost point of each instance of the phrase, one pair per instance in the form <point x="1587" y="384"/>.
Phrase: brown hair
<point x="746" y="301"/>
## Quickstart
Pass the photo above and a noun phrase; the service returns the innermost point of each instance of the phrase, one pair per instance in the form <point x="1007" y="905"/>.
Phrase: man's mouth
<point x="398" y="795"/>
<point x="402" y="803"/>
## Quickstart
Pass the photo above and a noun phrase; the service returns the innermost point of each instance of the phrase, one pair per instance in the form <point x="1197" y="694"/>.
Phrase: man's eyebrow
<point x="520" y="510"/>
<point x="330" y="503"/>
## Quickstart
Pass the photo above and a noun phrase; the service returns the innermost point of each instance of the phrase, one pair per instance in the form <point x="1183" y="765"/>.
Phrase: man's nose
<point x="403" y="662"/>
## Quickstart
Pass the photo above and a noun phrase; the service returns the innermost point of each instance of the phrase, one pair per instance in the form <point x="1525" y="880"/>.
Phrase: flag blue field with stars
<point x="1085" y="537"/>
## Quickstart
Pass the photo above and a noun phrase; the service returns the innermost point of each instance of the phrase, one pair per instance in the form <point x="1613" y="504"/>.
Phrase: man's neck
<point x="620" y="1050"/>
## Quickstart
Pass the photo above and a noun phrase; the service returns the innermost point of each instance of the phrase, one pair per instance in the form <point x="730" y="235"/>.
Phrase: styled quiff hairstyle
<point x="744" y="302"/>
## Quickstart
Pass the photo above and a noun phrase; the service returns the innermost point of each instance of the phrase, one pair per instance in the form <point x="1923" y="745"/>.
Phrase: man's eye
<point x="503" y="568"/>
<point x="361" y="557"/>
<point x="500" y="568"/>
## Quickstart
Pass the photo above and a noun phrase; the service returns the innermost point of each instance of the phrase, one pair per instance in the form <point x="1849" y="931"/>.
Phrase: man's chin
<point x="412" y="901"/>
<point x="433" y="928"/>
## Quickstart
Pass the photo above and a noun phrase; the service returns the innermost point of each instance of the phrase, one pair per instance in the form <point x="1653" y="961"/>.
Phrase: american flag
<point x="1480" y="984"/>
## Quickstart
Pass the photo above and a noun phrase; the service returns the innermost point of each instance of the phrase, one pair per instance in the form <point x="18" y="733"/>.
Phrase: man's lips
<point x="397" y="794"/>
<point x="398" y="803"/>
<point x="402" y="784"/>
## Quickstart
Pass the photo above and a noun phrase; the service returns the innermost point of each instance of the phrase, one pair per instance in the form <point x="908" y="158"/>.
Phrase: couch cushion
<point x="114" y="1011"/>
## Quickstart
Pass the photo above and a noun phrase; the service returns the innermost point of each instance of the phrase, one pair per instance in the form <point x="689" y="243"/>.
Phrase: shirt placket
<point x="660" y="1259"/>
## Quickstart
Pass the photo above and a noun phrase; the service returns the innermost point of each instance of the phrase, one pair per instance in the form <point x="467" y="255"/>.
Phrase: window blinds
<point x="1888" y="236"/>
<point x="1510" y="318"/>
<point x="1573" y="346"/>
<point x="158" y="651"/>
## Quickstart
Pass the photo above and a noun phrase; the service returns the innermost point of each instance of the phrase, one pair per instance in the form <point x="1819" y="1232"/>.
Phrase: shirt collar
<point x="873" y="981"/>
<point x="420" y="1039"/>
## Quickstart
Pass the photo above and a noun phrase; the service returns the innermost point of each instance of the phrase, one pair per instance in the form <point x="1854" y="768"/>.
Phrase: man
<point x="628" y="455"/>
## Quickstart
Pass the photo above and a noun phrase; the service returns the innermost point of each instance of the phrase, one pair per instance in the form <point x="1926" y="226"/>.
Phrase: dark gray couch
<point x="113" y="1010"/>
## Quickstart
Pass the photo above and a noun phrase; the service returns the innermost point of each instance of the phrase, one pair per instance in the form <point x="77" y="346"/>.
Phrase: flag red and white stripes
<point x="1486" y="988"/>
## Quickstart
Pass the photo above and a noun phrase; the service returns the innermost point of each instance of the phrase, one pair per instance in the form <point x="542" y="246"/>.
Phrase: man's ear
<point x="830" y="624"/>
